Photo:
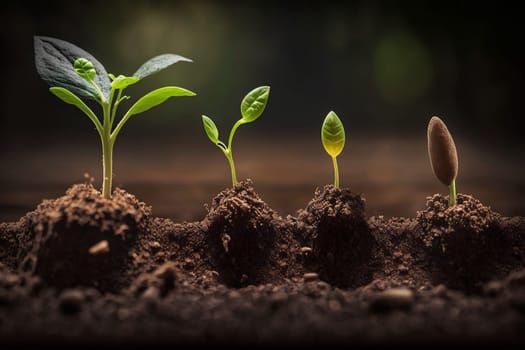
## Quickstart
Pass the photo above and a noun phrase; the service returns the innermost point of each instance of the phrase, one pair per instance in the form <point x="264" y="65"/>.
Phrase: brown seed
<point x="442" y="151"/>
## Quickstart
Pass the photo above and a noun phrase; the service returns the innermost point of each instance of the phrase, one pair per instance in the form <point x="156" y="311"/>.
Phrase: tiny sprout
<point x="443" y="155"/>
<point x="333" y="138"/>
<point x="252" y="106"/>
<point x="74" y="75"/>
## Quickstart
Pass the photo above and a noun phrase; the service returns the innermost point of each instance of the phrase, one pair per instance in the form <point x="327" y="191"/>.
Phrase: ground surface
<point x="243" y="273"/>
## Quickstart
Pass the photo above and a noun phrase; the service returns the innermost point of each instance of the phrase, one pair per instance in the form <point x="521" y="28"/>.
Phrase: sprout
<point x="74" y="74"/>
<point x="252" y="106"/>
<point x="333" y="138"/>
<point x="443" y="155"/>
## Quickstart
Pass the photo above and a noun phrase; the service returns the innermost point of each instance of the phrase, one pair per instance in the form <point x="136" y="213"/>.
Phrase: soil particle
<point x="67" y="236"/>
<point x="70" y="301"/>
<point x="339" y="236"/>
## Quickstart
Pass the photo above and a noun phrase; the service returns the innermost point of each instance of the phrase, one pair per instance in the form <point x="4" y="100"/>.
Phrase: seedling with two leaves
<point x="75" y="74"/>
<point x="252" y="106"/>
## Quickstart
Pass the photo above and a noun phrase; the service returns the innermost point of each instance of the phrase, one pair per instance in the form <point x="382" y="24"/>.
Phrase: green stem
<point x="232" y="132"/>
<point x="107" y="152"/>
<point x="452" y="197"/>
<point x="229" y="156"/>
<point x="336" y="172"/>
<point x="107" y="162"/>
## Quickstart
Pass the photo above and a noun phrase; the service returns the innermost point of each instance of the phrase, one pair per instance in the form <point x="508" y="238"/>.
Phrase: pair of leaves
<point x="55" y="63"/>
<point x="148" y="101"/>
<point x="333" y="134"/>
<point x="252" y="106"/>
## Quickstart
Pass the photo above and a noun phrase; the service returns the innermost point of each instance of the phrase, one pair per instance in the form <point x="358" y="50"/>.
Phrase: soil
<point x="84" y="269"/>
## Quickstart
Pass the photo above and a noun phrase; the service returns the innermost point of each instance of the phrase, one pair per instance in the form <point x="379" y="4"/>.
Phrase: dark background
<point x="384" y="67"/>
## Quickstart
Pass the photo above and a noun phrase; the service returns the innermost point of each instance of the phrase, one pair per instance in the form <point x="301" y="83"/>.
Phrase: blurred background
<point x="384" y="67"/>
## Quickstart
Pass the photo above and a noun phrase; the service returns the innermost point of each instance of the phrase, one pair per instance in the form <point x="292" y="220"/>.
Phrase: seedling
<point x="333" y="138"/>
<point x="443" y="155"/>
<point x="252" y="106"/>
<point x="74" y="75"/>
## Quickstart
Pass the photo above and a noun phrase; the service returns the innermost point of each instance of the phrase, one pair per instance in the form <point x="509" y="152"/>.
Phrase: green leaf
<point x="333" y="134"/>
<point x="211" y="129"/>
<point x="253" y="104"/>
<point x="121" y="82"/>
<point x="156" y="97"/>
<point x="72" y="99"/>
<point x="158" y="63"/>
<point x="54" y="61"/>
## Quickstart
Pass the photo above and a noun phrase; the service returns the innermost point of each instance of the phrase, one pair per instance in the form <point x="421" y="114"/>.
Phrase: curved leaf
<point x="211" y="129"/>
<point x="156" y="97"/>
<point x="121" y="82"/>
<point x="72" y="99"/>
<point x="54" y="60"/>
<point x="254" y="103"/>
<point x="158" y="63"/>
<point x="333" y="134"/>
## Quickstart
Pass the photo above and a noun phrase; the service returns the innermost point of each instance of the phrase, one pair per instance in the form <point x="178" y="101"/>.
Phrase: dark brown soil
<point x="337" y="230"/>
<point x="245" y="275"/>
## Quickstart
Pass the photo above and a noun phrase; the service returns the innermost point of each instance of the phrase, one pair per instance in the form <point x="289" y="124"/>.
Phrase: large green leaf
<point x="156" y="97"/>
<point x="158" y="63"/>
<point x="72" y="99"/>
<point x="253" y="104"/>
<point x="211" y="129"/>
<point x="54" y="60"/>
<point x="333" y="134"/>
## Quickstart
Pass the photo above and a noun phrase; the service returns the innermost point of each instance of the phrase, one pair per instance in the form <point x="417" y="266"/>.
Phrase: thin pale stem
<point x="107" y="152"/>
<point x="452" y="196"/>
<point x="229" y="156"/>
<point x="336" y="172"/>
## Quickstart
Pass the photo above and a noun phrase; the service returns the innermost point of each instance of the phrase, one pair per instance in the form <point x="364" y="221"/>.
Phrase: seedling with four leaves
<point x="74" y="75"/>
<point x="443" y="155"/>
<point x="333" y="138"/>
<point x="252" y="106"/>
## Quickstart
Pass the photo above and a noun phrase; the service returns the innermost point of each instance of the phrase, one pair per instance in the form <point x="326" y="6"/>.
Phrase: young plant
<point x="74" y="75"/>
<point x="443" y="155"/>
<point x="252" y="106"/>
<point x="333" y="138"/>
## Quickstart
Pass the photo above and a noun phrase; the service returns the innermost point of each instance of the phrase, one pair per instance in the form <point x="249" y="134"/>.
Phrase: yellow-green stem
<point x="107" y="163"/>
<point x="452" y="196"/>
<point x="229" y="156"/>
<point x="336" y="172"/>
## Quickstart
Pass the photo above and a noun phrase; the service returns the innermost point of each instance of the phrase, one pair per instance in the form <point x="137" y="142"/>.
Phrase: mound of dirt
<point x="339" y="236"/>
<point x="82" y="239"/>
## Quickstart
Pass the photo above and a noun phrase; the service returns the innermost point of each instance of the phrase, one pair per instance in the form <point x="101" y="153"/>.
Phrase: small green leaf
<point x="121" y="82"/>
<point x="333" y="134"/>
<point x="158" y="63"/>
<point x="211" y="129"/>
<point x="85" y="69"/>
<point x="70" y="98"/>
<point x="156" y="97"/>
<point x="253" y="104"/>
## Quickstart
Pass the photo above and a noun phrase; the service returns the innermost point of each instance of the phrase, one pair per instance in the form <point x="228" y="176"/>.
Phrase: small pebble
<point x="70" y="301"/>
<point x="101" y="247"/>
<point x="392" y="299"/>
<point x="310" y="276"/>
<point x="402" y="269"/>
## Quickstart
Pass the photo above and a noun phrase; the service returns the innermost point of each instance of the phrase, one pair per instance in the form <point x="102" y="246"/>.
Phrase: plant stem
<point x="107" y="150"/>
<point x="336" y="172"/>
<point x="452" y="197"/>
<point x="107" y="162"/>
<point x="229" y="156"/>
